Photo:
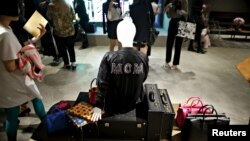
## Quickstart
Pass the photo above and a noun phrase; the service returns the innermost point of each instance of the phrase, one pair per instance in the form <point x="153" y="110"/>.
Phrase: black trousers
<point x="197" y="38"/>
<point x="171" y="39"/>
<point x="66" y="48"/>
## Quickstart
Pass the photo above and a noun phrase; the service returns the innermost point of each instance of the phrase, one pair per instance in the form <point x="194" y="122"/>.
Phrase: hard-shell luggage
<point x="123" y="126"/>
<point x="155" y="112"/>
<point x="160" y="113"/>
<point x="168" y="115"/>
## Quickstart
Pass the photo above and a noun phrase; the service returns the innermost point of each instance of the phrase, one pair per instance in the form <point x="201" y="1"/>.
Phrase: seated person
<point x="121" y="75"/>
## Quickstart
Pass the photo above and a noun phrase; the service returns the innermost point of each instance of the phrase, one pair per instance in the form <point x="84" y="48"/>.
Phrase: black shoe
<point x="191" y="49"/>
<point x="202" y="51"/>
<point x="25" y="112"/>
<point x="68" y="67"/>
<point x="73" y="67"/>
<point x="157" y="32"/>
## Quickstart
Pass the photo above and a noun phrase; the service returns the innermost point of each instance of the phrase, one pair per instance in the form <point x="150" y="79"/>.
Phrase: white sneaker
<point x="166" y="66"/>
<point x="174" y="67"/>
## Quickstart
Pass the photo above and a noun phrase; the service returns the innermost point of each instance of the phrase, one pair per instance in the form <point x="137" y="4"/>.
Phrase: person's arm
<point x="11" y="65"/>
<point x="104" y="18"/>
<point x="103" y="80"/>
<point x="8" y="50"/>
<point x="103" y="86"/>
<point x="36" y="39"/>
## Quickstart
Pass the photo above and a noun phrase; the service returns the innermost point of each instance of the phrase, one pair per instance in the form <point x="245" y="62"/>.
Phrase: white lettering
<point x="215" y="131"/>
<point x="138" y="69"/>
<point x="127" y="68"/>
<point x="231" y="133"/>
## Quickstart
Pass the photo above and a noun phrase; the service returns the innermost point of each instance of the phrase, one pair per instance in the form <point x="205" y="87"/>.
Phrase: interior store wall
<point x="230" y="5"/>
<point x="221" y="5"/>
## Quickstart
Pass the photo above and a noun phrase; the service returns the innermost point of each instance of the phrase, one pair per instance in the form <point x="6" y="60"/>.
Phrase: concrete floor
<point x="212" y="76"/>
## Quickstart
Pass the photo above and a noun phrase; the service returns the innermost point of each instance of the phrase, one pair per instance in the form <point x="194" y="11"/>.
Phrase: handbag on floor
<point x="191" y="106"/>
<point x="196" y="126"/>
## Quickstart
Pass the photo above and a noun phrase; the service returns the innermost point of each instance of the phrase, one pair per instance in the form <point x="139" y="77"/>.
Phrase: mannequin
<point x="121" y="75"/>
<point x="123" y="28"/>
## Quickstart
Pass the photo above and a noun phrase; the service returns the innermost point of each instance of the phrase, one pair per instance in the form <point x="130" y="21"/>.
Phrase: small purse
<point x="92" y="93"/>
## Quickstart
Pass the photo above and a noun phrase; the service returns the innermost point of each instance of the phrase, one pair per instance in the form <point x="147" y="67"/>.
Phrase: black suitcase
<point x="123" y="127"/>
<point x="168" y="115"/>
<point x="130" y="126"/>
<point x="155" y="112"/>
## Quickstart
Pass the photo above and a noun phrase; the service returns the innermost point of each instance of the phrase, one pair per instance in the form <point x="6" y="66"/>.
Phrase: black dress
<point x="139" y="12"/>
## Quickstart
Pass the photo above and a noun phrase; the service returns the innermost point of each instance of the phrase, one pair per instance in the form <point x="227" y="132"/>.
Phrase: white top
<point x="16" y="88"/>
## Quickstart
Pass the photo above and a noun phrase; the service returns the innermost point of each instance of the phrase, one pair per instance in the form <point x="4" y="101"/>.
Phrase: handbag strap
<point x="196" y="102"/>
<point x="91" y="84"/>
<point x="192" y="98"/>
<point x="208" y="107"/>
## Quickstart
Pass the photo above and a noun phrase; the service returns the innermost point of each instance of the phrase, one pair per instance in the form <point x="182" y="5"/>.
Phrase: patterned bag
<point x="186" y="30"/>
<point x="81" y="110"/>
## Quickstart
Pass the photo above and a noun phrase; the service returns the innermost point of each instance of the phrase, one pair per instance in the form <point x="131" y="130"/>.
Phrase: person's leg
<point x="62" y="48"/>
<point x="24" y="110"/>
<point x="149" y="50"/>
<point x="119" y="44"/>
<point x="39" y="108"/>
<point x="112" y="43"/>
<point x="198" y="37"/>
<point x="191" y="46"/>
<point x="177" y="52"/>
<point x="11" y="124"/>
<point x="144" y="49"/>
<point x="70" y="46"/>
<point x="170" y="41"/>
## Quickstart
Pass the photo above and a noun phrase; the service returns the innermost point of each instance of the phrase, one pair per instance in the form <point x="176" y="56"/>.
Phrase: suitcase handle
<point x="151" y="96"/>
<point x="164" y="98"/>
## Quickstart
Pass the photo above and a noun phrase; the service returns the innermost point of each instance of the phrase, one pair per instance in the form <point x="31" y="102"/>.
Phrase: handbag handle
<point x="207" y="108"/>
<point x="92" y="82"/>
<point x="193" y="102"/>
<point x="192" y="97"/>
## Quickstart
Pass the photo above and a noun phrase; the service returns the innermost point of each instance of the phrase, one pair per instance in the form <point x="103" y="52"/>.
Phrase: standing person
<point x="48" y="41"/>
<point x="16" y="87"/>
<point x="24" y="38"/>
<point x="177" y="11"/>
<point x="112" y="12"/>
<point x="121" y="75"/>
<point x="141" y="12"/>
<point x="196" y="17"/>
<point x="62" y="15"/>
<point x="80" y="9"/>
<point x="205" y="31"/>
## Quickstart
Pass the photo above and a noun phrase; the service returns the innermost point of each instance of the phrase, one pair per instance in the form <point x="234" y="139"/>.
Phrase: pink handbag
<point x="191" y="106"/>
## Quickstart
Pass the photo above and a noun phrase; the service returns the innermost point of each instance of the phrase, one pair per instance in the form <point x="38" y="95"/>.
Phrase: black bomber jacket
<point x="120" y="80"/>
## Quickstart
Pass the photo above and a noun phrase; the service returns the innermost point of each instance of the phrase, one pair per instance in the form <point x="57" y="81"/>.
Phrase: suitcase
<point x="123" y="126"/>
<point x="155" y="112"/>
<point x="168" y="115"/>
<point x="129" y="126"/>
